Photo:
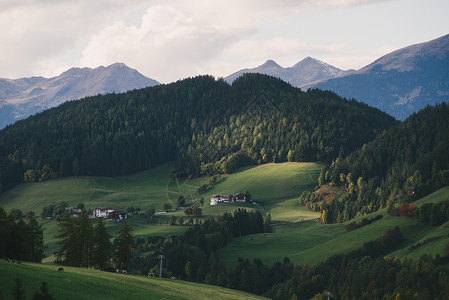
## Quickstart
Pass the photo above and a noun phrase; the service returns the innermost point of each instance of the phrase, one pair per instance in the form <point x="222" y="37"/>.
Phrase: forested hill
<point x="204" y="124"/>
<point x="413" y="153"/>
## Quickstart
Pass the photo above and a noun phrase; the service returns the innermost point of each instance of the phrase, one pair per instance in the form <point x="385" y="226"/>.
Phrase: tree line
<point x="363" y="273"/>
<point x="189" y="255"/>
<point x="413" y="153"/>
<point x="205" y="125"/>
<point x="18" y="292"/>
<point x="84" y="245"/>
<point x="20" y="240"/>
<point x="366" y="274"/>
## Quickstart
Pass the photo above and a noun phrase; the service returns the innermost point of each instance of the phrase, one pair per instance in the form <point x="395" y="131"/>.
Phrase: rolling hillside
<point x="203" y="124"/>
<point x="78" y="283"/>
<point x="277" y="186"/>
<point x="309" y="243"/>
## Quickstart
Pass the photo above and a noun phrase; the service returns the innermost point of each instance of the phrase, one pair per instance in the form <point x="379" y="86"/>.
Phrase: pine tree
<point x="124" y="246"/>
<point x="85" y="230"/>
<point x="18" y="292"/>
<point x="68" y="236"/>
<point x="267" y="224"/>
<point x="44" y="294"/>
<point x="102" y="245"/>
<point x="75" y="238"/>
<point x="35" y="241"/>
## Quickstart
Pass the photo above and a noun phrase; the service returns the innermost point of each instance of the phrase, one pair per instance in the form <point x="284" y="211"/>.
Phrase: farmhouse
<point x="74" y="212"/>
<point x="101" y="212"/>
<point x="118" y="215"/>
<point x="215" y="199"/>
<point x="239" y="198"/>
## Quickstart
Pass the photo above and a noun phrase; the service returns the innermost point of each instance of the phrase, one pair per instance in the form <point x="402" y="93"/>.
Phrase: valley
<point x="148" y="151"/>
<point x="277" y="186"/>
<point x="309" y="243"/>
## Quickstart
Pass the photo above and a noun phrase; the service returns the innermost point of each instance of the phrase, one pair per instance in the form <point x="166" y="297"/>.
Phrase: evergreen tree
<point x="70" y="251"/>
<point x="102" y="245"/>
<point x="85" y="233"/>
<point x="18" y="292"/>
<point x="43" y="294"/>
<point x="267" y="224"/>
<point x="35" y="241"/>
<point x="124" y="244"/>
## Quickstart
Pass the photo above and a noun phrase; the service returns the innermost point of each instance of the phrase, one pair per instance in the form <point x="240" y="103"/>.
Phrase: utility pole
<point x="161" y="257"/>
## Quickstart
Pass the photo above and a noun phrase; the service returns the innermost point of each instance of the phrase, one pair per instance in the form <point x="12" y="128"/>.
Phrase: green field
<point x="278" y="186"/>
<point x="154" y="187"/>
<point x="77" y="283"/>
<point x="309" y="243"/>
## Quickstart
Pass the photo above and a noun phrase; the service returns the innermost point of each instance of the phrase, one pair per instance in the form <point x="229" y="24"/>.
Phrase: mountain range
<point x="20" y="98"/>
<point x="306" y="71"/>
<point x="401" y="82"/>
<point x="398" y="83"/>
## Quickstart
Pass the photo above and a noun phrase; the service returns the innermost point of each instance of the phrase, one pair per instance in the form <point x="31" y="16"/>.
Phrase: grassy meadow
<point x="78" y="283"/>
<point x="277" y="186"/>
<point x="309" y="243"/>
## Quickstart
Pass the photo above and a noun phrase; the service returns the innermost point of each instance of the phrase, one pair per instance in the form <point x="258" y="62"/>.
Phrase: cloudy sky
<point x="168" y="40"/>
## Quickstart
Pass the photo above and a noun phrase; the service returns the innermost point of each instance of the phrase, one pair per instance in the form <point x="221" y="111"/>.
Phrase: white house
<point x="215" y="199"/>
<point x="102" y="212"/>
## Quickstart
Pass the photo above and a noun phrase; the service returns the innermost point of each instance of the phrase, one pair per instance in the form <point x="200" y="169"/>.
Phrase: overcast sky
<point x="170" y="40"/>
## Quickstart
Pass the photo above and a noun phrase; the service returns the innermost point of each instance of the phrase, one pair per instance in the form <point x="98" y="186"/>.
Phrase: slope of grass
<point x="77" y="283"/>
<point x="154" y="187"/>
<point x="311" y="242"/>
<point x="278" y="186"/>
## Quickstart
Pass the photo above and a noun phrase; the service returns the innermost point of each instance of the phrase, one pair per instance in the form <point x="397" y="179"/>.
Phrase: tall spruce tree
<point x="86" y="231"/>
<point x="18" y="292"/>
<point x="69" y="253"/>
<point x="102" y="250"/>
<point x="43" y="294"/>
<point x="124" y="244"/>
<point x="75" y="238"/>
<point x="35" y="241"/>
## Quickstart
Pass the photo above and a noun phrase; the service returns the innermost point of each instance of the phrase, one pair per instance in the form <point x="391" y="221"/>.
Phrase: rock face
<point x="401" y="82"/>
<point x="20" y="98"/>
<point x="305" y="72"/>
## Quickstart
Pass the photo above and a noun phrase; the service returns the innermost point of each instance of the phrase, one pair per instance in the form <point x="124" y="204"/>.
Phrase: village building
<point x="118" y="215"/>
<point x="101" y="212"/>
<point x="74" y="212"/>
<point x="215" y="199"/>
<point x="239" y="198"/>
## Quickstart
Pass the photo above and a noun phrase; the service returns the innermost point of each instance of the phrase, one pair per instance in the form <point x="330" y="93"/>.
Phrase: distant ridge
<point x="401" y="82"/>
<point x="20" y="98"/>
<point x="304" y="72"/>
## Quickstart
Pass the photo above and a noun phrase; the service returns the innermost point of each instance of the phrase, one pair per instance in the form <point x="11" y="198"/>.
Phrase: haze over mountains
<point x="401" y="82"/>
<point x="306" y="71"/>
<point x="20" y="98"/>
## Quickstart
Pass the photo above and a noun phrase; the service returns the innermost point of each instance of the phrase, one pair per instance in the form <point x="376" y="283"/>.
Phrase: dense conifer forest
<point x="205" y="125"/>
<point x="411" y="154"/>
